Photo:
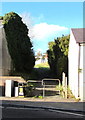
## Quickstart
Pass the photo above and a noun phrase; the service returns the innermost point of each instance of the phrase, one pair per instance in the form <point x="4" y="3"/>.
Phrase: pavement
<point x="54" y="103"/>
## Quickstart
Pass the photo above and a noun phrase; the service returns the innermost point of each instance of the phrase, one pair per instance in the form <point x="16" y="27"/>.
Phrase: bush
<point x="58" y="56"/>
<point x="29" y="89"/>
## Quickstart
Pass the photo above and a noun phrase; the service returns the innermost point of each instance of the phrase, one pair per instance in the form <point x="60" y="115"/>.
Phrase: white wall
<point x="82" y="73"/>
<point x="9" y="84"/>
<point x="73" y="65"/>
<point x="0" y="52"/>
<point x="41" y="61"/>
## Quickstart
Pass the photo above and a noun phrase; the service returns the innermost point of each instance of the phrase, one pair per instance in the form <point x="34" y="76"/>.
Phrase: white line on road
<point x="11" y="108"/>
<point x="23" y="108"/>
<point x="71" y="113"/>
<point x="67" y="113"/>
<point x="1" y="107"/>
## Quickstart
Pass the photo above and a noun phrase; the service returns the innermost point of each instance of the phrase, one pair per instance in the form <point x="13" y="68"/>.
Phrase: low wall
<point x="15" y="78"/>
<point x="4" y="78"/>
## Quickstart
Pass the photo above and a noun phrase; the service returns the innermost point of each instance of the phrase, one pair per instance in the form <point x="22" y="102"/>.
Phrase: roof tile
<point x="79" y="35"/>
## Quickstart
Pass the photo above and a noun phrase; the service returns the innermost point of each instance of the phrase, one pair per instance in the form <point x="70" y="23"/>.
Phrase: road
<point x="20" y="112"/>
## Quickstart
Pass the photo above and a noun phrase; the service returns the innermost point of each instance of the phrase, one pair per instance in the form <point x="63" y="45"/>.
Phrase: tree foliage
<point x="18" y="41"/>
<point x="1" y="17"/>
<point x="58" y="55"/>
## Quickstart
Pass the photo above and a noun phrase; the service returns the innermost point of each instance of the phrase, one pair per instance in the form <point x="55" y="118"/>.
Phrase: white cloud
<point x="27" y="19"/>
<point x="44" y="30"/>
<point x="38" y="19"/>
<point x="42" y="33"/>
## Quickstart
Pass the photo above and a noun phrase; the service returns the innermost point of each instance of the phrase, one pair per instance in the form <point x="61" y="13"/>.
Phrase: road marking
<point x="67" y="113"/>
<point x="11" y="107"/>
<point x="71" y="113"/>
<point x="1" y="107"/>
<point x="23" y="108"/>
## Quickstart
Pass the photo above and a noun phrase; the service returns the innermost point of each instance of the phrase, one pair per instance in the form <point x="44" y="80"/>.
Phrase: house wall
<point x="82" y="72"/>
<point x="73" y="65"/>
<point x="0" y="52"/>
<point x="5" y="60"/>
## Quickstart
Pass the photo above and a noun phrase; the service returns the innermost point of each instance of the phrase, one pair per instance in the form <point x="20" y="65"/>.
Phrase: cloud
<point x="44" y="30"/>
<point x="30" y="22"/>
<point x="27" y="19"/>
<point x="42" y="33"/>
<point x="38" y="19"/>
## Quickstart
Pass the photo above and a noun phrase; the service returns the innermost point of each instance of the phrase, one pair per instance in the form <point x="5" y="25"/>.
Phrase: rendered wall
<point x="5" y="60"/>
<point x="1" y="49"/>
<point x="82" y="72"/>
<point x="73" y="65"/>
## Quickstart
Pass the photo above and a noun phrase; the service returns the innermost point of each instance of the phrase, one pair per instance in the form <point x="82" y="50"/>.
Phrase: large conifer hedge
<point x="18" y="41"/>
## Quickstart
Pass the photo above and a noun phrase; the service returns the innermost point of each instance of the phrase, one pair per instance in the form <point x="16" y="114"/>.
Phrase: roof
<point x="79" y="35"/>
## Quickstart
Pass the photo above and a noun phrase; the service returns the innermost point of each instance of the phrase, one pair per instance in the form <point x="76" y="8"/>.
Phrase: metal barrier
<point x="45" y="80"/>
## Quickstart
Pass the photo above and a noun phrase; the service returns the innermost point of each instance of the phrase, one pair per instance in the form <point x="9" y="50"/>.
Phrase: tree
<point x="18" y="41"/>
<point x="58" y="56"/>
<point x="1" y="17"/>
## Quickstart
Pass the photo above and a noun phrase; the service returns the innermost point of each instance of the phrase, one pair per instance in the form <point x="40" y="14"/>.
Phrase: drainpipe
<point x="78" y="71"/>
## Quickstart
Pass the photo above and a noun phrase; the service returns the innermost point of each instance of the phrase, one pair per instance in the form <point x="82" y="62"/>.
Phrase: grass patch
<point x="69" y="93"/>
<point x="39" y="72"/>
<point x="42" y="65"/>
<point x="41" y="97"/>
<point x="59" y="88"/>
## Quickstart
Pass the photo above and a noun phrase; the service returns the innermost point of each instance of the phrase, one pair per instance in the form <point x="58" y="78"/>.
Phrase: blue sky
<point x="47" y="20"/>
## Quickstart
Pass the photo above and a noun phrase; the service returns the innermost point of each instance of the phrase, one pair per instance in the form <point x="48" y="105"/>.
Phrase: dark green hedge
<point x="19" y="44"/>
<point x="58" y="56"/>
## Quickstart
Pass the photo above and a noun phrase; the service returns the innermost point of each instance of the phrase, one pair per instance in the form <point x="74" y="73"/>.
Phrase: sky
<point x="47" y="20"/>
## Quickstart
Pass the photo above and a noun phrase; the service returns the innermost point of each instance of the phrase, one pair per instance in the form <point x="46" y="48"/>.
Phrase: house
<point x="42" y="58"/>
<point x="77" y="63"/>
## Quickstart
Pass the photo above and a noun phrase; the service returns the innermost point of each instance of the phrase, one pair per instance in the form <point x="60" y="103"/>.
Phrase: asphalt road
<point x="15" y="112"/>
